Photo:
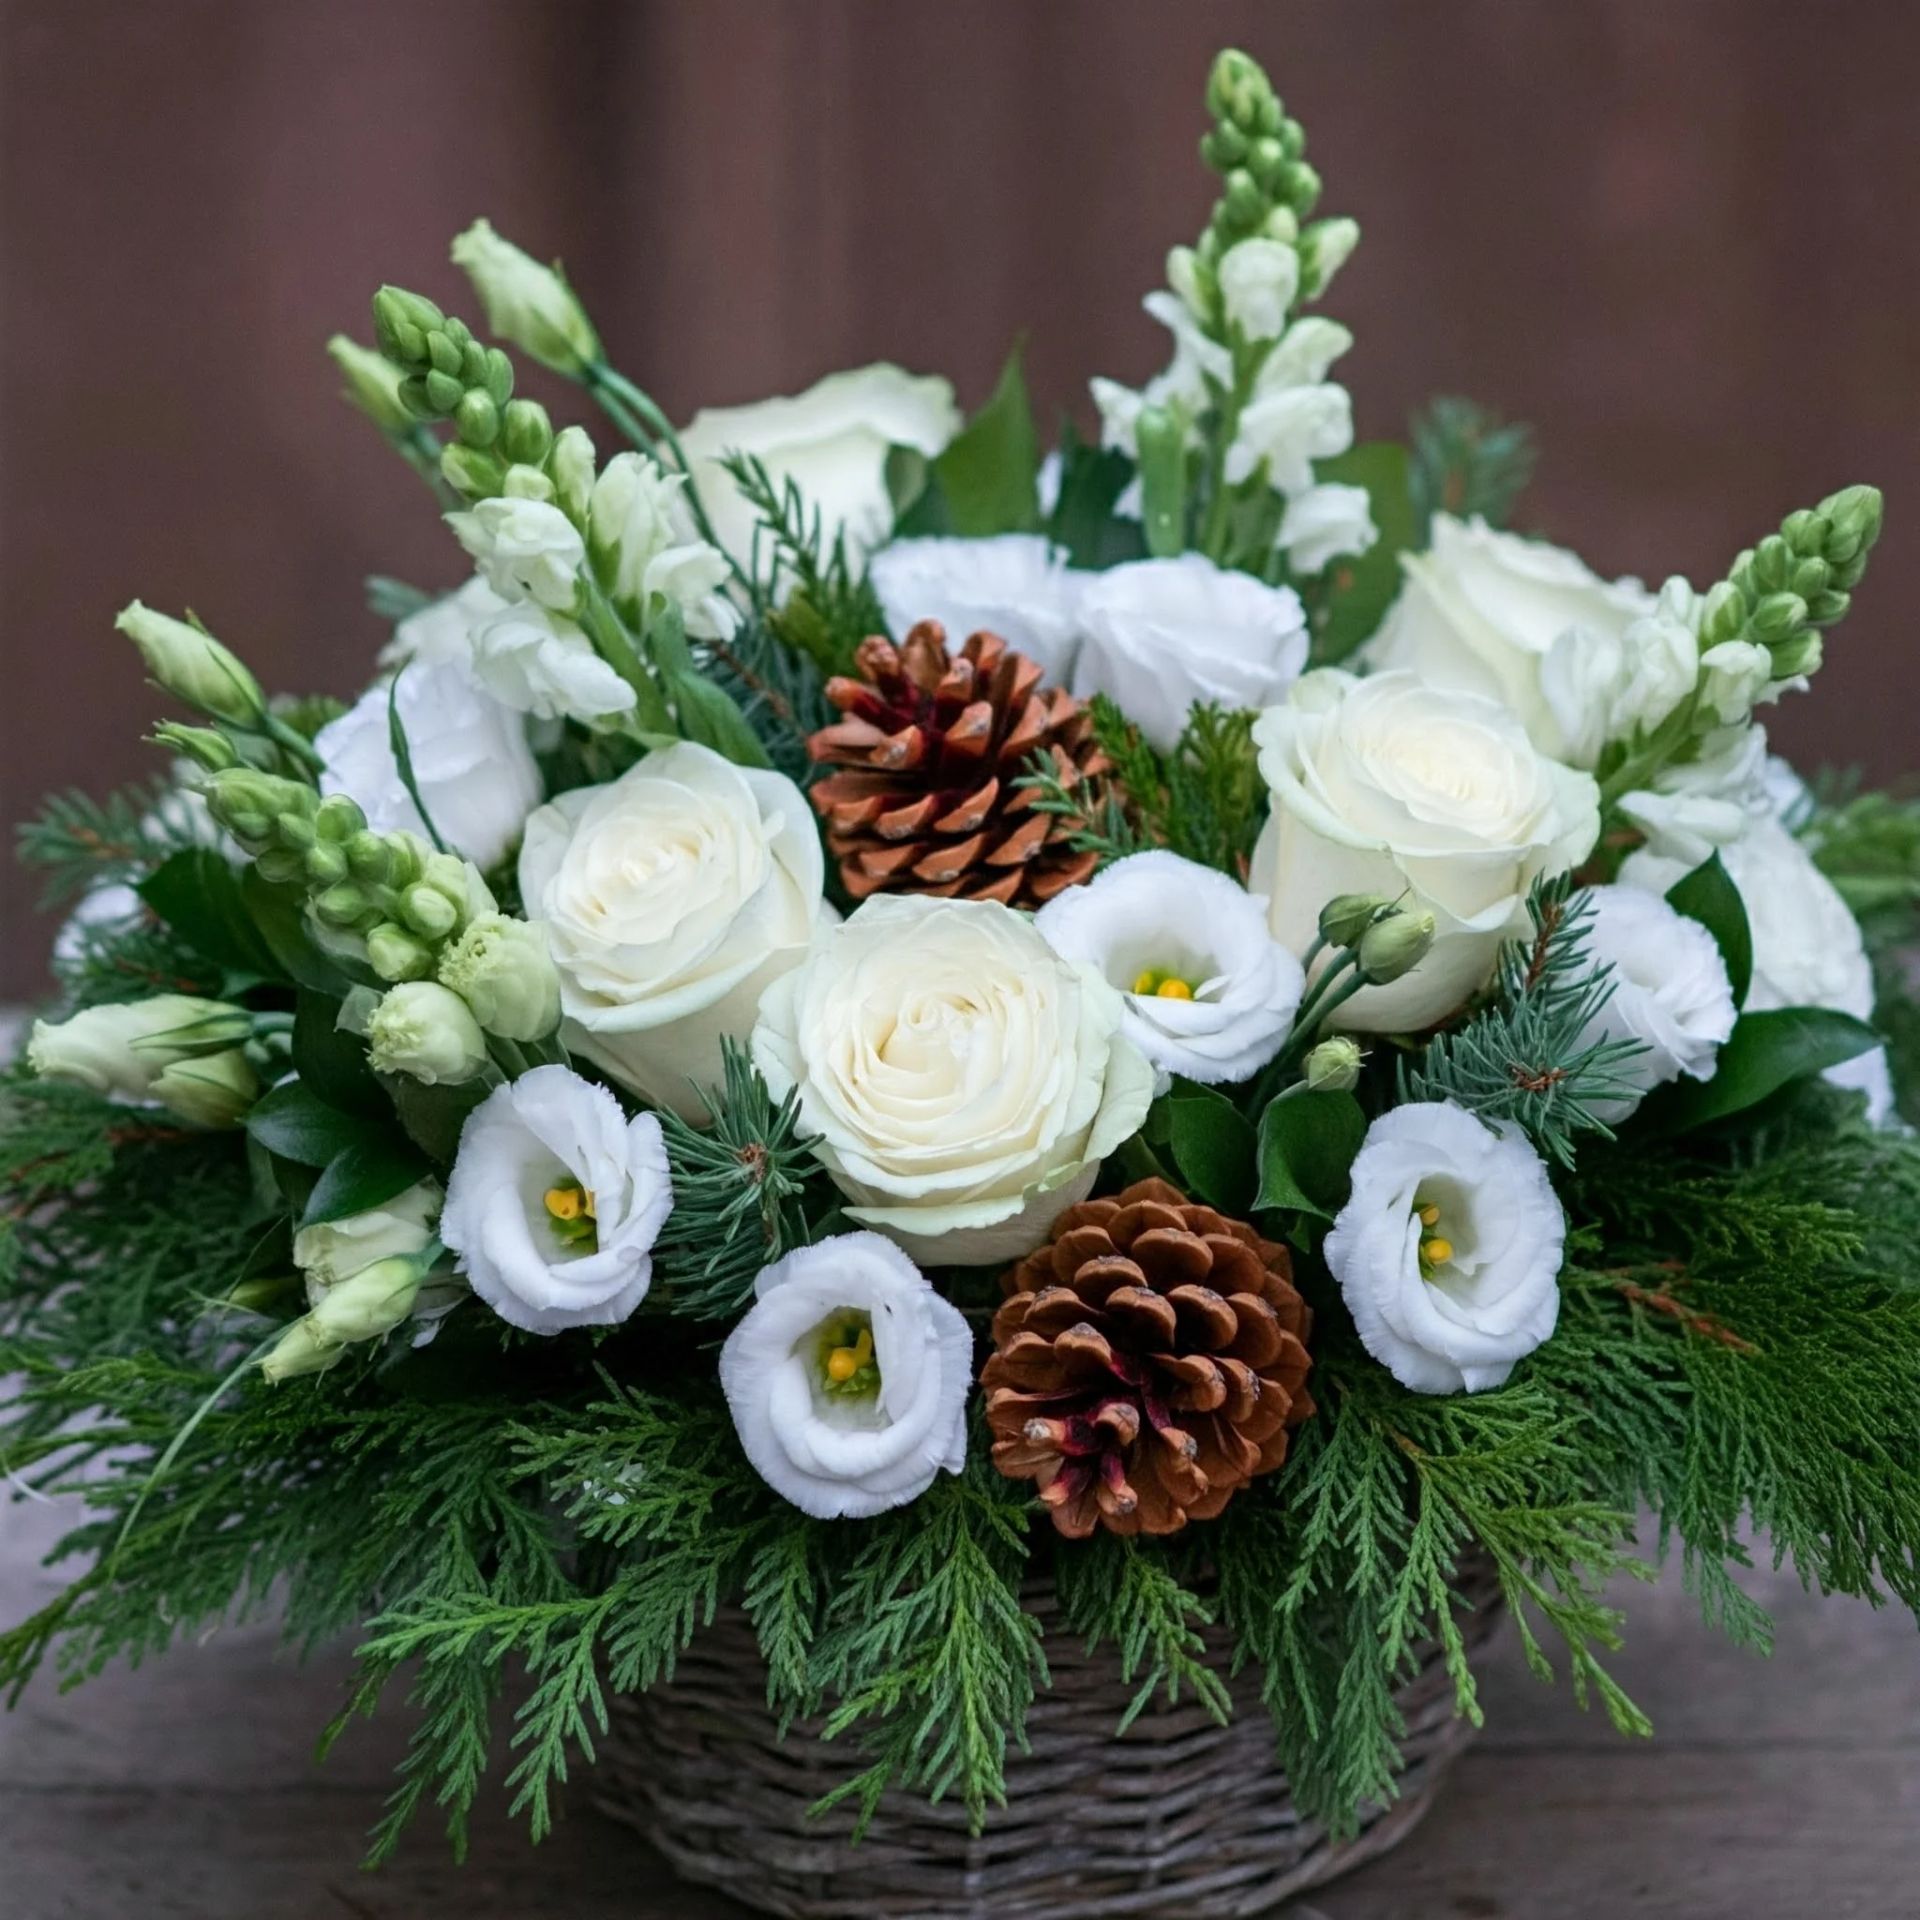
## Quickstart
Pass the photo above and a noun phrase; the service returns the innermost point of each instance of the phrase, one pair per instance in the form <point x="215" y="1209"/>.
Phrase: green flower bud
<point x="301" y="1349"/>
<point x="371" y="382"/>
<point x="1224" y="147"/>
<point x="447" y="354"/>
<point x="1162" y="443"/>
<point x="124" y="1047"/>
<point x="1395" y="946"/>
<point x="527" y="432"/>
<point x="471" y="473"/>
<point x="1244" y="202"/>
<point x="338" y="817"/>
<point x="326" y="862"/>
<point x="501" y="968"/>
<point x="443" y="391"/>
<point x="263" y="1294"/>
<point x="283" y="866"/>
<point x="1827" y="607"/>
<point x="194" y="666"/>
<point x="413" y="396"/>
<point x="1334" y="1065"/>
<point x="476" y="419"/>
<point x="1722" y="615"/>
<point x="1326" y="247"/>
<point x="1808" y="578"/>
<point x="370" y="1304"/>
<point x="1348" y="915"/>
<point x="1238" y="90"/>
<point x="527" y="304"/>
<point x="214" y="1091"/>
<point x="498" y="377"/>
<point x="1806" y="531"/>
<point x="428" y="912"/>
<point x="1799" y="655"/>
<point x="1778" y="617"/>
<point x="345" y="904"/>
<point x="202" y="745"/>
<point x="248" y="802"/>
<point x="421" y="1029"/>
<point x="294" y="831"/>
<point x="571" y="468"/>
<point x="401" y="323"/>
<point x="395" y="954"/>
<point x="1300" y="186"/>
<point x="448" y="874"/>
<point x="369" y="858"/>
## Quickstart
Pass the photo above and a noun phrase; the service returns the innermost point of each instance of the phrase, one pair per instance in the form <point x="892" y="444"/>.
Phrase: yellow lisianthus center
<point x="845" y="1357"/>
<point x="1162" y="985"/>
<point x="570" y="1214"/>
<point x="1435" y="1248"/>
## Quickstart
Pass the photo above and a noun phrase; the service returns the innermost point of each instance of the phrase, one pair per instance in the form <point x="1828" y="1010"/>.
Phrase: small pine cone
<point x="1147" y="1363"/>
<point x="927" y="754"/>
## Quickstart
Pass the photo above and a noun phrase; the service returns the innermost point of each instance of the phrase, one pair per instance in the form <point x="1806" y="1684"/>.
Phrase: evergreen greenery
<point x="1467" y="462"/>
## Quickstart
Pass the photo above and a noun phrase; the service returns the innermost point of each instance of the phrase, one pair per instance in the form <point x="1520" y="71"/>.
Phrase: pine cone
<point x="1147" y="1363"/>
<point x="928" y="754"/>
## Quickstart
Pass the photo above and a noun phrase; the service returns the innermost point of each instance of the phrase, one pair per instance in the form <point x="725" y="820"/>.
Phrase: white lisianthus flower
<point x="1602" y="684"/>
<point x="1394" y="787"/>
<point x="1448" y="1252"/>
<point x="964" y="1082"/>
<point x="1209" y="992"/>
<point x="334" y="1252"/>
<point x="642" y="540"/>
<point x="525" y="549"/>
<point x="1670" y="991"/>
<point x="471" y="761"/>
<point x="1159" y="636"/>
<point x="555" y="1201"/>
<point x="542" y="663"/>
<point x="1017" y="585"/>
<point x="1258" y="279"/>
<point x="528" y="305"/>
<point x="848" y="1379"/>
<point x="427" y="1032"/>
<point x="1481" y="610"/>
<point x="1706" y="802"/>
<point x="1324" y="524"/>
<point x="671" y="898"/>
<point x="832" y="441"/>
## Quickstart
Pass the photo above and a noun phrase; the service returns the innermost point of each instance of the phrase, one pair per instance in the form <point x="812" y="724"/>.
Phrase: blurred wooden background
<point x="1677" y="235"/>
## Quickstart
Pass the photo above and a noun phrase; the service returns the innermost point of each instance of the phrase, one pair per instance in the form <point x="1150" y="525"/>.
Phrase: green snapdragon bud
<point x="194" y="667"/>
<point x="526" y="433"/>
<point x="571" y="465"/>
<point x="528" y="304"/>
<point x="1395" y="946"/>
<point x="501" y="968"/>
<point x="396" y="955"/>
<point x="251" y="804"/>
<point x="213" y="1090"/>
<point x="1334" y="1065"/>
<point x="401" y="323"/>
<point x="1348" y="915"/>
<point x="371" y="382"/>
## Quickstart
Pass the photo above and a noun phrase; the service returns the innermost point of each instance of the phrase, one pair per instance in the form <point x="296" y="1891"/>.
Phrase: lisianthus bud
<point x="1347" y="916"/>
<point x="1334" y="1065"/>
<point x="206" y="747"/>
<point x="420" y="1028"/>
<point x="371" y="382"/>
<point x="526" y="303"/>
<point x="125" y="1048"/>
<point x="501" y="968"/>
<point x="301" y="1349"/>
<point x="1395" y="945"/>
<point x="370" y="1304"/>
<point x="216" y="1090"/>
<point x="194" y="666"/>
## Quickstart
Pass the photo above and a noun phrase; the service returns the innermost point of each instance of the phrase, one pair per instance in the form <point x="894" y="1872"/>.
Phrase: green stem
<point x="611" y="641"/>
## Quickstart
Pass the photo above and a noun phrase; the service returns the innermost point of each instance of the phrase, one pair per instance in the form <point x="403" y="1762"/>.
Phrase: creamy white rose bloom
<point x="1258" y="279"/>
<point x="1394" y="787"/>
<point x="1480" y="610"/>
<point x="1448" y="1252"/>
<point x="642" y="538"/>
<point x="1017" y="585"/>
<point x="329" y="1254"/>
<point x="848" y="1379"/>
<point x="964" y="1082"/>
<point x="542" y="663"/>
<point x="555" y="1201"/>
<point x="471" y="761"/>
<point x="525" y="549"/>
<point x="671" y="898"/>
<point x="832" y="441"/>
<point x="1323" y="524"/>
<point x="1161" y="635"/>
<point x="1706" y="802"/>
<point x="528" y="305"/>
<point x="1670" y="991"/>
<point x="1600" y="684"/>
<point x="1209" y="992"/>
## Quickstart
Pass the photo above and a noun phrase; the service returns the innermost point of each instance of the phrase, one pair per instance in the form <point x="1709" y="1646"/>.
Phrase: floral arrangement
<point x="860" y="1015"/>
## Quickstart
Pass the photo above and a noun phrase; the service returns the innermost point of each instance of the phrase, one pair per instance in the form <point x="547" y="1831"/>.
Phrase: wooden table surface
<point x="187" y="1791"/>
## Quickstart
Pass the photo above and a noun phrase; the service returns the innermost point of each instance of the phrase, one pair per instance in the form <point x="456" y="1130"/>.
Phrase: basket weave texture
<point x="1178" y="1816"/>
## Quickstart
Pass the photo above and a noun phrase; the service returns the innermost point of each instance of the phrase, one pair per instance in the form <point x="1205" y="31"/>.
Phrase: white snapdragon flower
<point x="1670" y="991"/>
<point x="1327" y="522"/>
<point x="1285" y="429"/>
<point x="671" y="897"/>
<point x="526" y="549"/>
<point x="1017" y="585"/>
<point x="1710" y="801"/>
<point x="964" y="1082"/>
<point x="1602" y="683"/>
<point x="555" y="1201"/>
<point x="832" y="441"/>
<point x="1448" y="1251"/>
<point x="542" y="663"/>
<point x="1393" y="787"/>
<point x="1181" y="387"/>
<point x="1160" y="636"/>
<point x="848" y="1379"/>
<point x="1209" y="992"/>
<point x="471" y="761"/>
<point x="1258" y="280"/>
<point x="642" y="540"/>
<point x="528" y="305"/>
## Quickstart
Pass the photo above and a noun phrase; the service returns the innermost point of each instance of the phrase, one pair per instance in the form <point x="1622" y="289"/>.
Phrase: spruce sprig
<point x="78" y="842"/>
<point x="1467" y="461"/>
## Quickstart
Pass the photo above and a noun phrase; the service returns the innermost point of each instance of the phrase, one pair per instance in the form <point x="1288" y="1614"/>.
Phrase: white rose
<point x="1323" y="524"/>
<point x="1258" y="279"/>
<point x="1448" y="1252"/>
<point x="672" y="897"/>
<point x="848" y="1379"/>
<point x="1394" y="787"/>
<point x="555" y="1201"/>
<point x="528" y="305"/>
<point x="641" y="535"/>
<point x="1670" y="991"/>
<point x="1480" y="611"/>
<point x="330" y="1254"/>
<point x="525" y="549"/>
<point x="471" y="761"/>
<point x="1602" y="685"/>
<point x="1016" y="585"/>
<point x="832" y="441"/>
<point x="1159" y="636"/>
<point x="1209" y="992"/>
<point x="542" y="663"/>
<point x="963" y="1082"/>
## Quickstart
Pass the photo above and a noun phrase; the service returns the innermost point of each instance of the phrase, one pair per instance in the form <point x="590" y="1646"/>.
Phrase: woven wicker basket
<point x="1177" y="1816"/>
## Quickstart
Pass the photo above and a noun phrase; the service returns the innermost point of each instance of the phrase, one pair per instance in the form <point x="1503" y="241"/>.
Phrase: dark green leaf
<point x="1213" y="1145"/>
<point x="295" y="1123"/>
<point x="199" y="896"/>
<point x="366" y="1174"/>
<point x="403" y="760"/>
<point x="1307" y="1145"/>
<point x="988" y="474"/>
<point x="332" y="1062"/>
<point x="1767" y="1051"/>
<point x="705" y="713"/>
<point x="1360" y="589"/>
<point x="1084" y="522"/>
<point x="278" y="915"/>
<point x="1708" y="895"/>
<point x="433" y="1116"/>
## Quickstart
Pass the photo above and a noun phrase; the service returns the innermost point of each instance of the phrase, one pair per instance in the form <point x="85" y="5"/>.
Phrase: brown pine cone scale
<point x="927" y="754"/>
<point x="1148" y="1363"/>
